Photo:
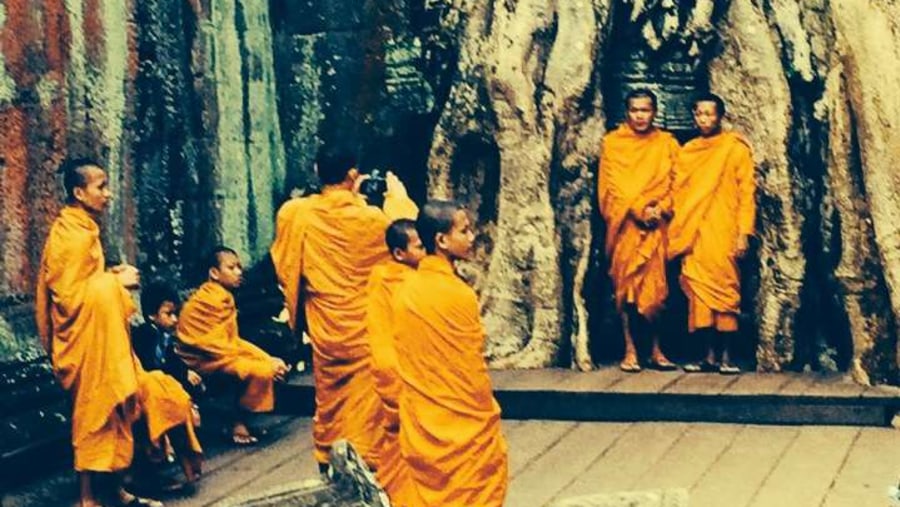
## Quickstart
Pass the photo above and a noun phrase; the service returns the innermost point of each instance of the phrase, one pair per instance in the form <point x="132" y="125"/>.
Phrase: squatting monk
<point x="82" y="312"/>
<point x="209" y="343"/>
<point x="386" y="279"/>
<point x="325" y="248"/>
<point x="715" y="212"/>
<point x="449" y="420"/>
<point x="635" y="181"/>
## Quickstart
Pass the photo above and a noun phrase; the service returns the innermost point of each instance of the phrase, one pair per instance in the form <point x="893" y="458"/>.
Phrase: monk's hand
<point x="194" y="378"/>
<point x="281" y="369"/>
<point x="393" y="186"/>
<point x="743" y="243"/>
<point x="357" y="183"/>
<point x="128" y="276"/>
<point x="652" y="215"/>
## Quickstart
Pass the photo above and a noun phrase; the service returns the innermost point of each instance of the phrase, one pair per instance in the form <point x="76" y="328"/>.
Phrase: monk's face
<point x="640" y="114"/>
<point x="457" y="243"/>
<point x="414" y="251"/>
<point x="707" y="118"/>
<point x="94" y="196"/>
<point x="166" y="318"/>
<point x="230" y="271"/>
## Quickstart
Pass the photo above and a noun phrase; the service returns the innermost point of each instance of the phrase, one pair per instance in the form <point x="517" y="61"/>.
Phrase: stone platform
<point x="609" y="394"/>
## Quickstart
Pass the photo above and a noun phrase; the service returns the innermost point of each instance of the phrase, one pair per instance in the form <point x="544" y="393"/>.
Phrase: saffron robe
<point x="209" y="343"/>
<point x="326" y="245"/>
<point x="714" y="206"/>
<point x="82" y="315"/>
<point x="384" y="282"/>
<point x="635" y="171"/>
<point x="449" y="420"/>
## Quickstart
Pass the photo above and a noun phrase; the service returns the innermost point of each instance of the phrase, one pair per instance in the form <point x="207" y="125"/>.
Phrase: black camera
<point x="374" y="187"/>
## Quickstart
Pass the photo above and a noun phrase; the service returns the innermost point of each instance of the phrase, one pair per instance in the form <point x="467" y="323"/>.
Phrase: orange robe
<point x="82" y="316"/>
<point x="636" y="170"/>
<point x="208" y="342"/>
<point x="450" y="422"/>
<point x="325" y="248"/>
<point x="384" y="282"/>
<point x="714" y="205"/>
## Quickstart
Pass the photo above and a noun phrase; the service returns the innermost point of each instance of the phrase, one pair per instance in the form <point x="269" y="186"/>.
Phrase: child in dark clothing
<point x="154" y="340"/>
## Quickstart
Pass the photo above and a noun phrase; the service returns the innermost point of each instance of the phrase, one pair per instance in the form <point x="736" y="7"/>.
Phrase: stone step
<point x="611" y="395"/>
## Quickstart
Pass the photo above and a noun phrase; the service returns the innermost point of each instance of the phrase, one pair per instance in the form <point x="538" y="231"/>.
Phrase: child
<point x="154" y="340"/>
<point x="208" y="341"/>
<point x="385" y="280"/>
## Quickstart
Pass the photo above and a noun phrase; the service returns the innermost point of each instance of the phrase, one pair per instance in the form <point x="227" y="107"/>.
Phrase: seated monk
<point x="324" y="250"/>
<point x="449" y="420"/>
<point x="208" y="342"/>
<point x="384" y="282"/>
<point x="82" y="314"/>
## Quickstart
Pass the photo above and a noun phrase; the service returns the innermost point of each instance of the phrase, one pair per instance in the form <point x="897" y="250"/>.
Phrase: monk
<point x="82" y="313"/>
<point x="634" y="192"/>
<point x="386" y="279"/>
<point x="208" y="342"/>
<point x="325" y="248"/>
<point x="714" y="219"/>
<point x="449" y="420"/>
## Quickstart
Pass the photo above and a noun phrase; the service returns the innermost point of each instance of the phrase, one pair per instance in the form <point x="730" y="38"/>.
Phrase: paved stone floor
<point x="718" y="464"/>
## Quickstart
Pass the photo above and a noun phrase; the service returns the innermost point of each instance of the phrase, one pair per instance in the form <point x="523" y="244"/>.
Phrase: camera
<point x="374" y="187"/>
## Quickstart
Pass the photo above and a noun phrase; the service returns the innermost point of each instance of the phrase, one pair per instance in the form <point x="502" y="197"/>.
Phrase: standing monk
<point x="82" y="315"/>
<point x="634" y="191"/>
<point x="325" y="248"/>
<point x="385" y="281"/>
<point x="715" y="212"/>
<point x="449" y="420"/>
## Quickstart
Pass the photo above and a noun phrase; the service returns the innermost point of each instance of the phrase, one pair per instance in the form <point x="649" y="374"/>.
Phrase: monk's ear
<point x="78" y="194"/>
<point x="440" y="241"/>
<point x="397" y="254"/>
<point x="214" y="274"/>
<point x="352" y="174"/>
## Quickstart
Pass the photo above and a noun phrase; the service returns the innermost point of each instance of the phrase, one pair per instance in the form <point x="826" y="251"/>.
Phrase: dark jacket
<point x="156" y="351"/>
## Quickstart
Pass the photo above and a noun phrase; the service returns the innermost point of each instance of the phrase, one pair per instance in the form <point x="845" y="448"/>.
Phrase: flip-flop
<point x="629" y="367"/>
<point x="662" y="365"/>
<point x="729" y="369"/>
<point x="244" y="440"/>
<point x="701" y="367"/>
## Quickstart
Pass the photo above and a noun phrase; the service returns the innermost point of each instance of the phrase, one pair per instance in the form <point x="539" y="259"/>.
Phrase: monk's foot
<point x="240" y="435"/>
<point x="662" y="363"/>
<point x="701" y="367"/>
<point x="127" y="499"/>
<point x="630" y="365"/>
<point x="729" y="369"/>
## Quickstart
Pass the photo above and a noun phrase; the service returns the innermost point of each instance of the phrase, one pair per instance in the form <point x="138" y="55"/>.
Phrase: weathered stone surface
<point x="668" y="498"/>
<point x="207" y="115"/>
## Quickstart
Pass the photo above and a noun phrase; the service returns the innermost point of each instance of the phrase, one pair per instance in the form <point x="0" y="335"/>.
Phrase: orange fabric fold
<point x="165" y="405"/>
<point x="384" y="282"/>
<point x="636" y="171"/>
<point x="327" y="244"/>
<point x="714" y="205"/>
<point x="82" y="317"/>
<point x="450" y="422"/>
<point x="209" y="343"/>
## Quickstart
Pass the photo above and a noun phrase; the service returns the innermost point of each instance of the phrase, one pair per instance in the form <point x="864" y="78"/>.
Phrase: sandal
<point x="701" y="367"/>
<point x="662" y="364"/>
<point x="729" y="369"/>
<point x="137" y="501"/>
<point x="630" y="366"/>
<point x="243" y="439"/>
